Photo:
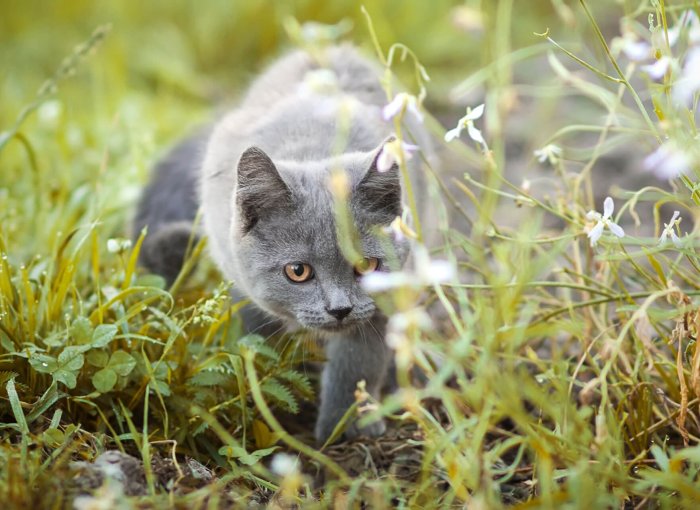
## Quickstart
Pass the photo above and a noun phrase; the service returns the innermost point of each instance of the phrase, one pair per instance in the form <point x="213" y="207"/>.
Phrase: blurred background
<point x="166" y="67"/>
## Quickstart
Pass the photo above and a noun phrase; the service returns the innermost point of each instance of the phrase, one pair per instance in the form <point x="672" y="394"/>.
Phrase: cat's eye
<point x="298" y="272"/>
<point x="368" y="265"/>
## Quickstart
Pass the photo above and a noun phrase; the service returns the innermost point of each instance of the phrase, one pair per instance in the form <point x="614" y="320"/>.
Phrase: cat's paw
<point x="164" y="251"/>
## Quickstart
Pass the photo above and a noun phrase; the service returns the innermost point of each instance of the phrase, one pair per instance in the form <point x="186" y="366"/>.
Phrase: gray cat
<point x="269" y="215"/>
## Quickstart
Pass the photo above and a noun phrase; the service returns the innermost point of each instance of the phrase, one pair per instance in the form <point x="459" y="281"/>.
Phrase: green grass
<point x="568" y="375"/>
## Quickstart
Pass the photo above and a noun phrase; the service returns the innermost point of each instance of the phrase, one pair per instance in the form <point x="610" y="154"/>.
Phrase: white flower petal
<point x="476" y="113"/>
<point x="593" y="215"/>
<point x="616" y="229"/>
<point x="658" y="69"/>
<point x="608" y="207"/>
<point x="689" y="82"/>
<point x="439" y="271"/>
<point x="595" y="233"/>
<point x="694" y="36"/>
<point x="475" y="134"/>
<point x="380" y="282"/>
<point x="408" y="150"/>
<point x="675" y="239"/>
<point x="284" y="464"/>
<point x="394" y="107"/>
<point x="637" y="50"/>
<point x="549" y="152"/>
<point x="112" y="245"/>
<point x="687" y="19"/>
<point x="668" y="162"/>
<point x="453" y="133"/>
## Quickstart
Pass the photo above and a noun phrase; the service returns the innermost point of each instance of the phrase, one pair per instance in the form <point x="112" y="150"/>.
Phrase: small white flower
<point x="550" y="153"/>
<point x="668" y="161"/>
<point x="636" y="51"/>
<point x="658" y="69"/>
<point x="397" y="327"/>
<point x="689" y="82"/>
<point x="670" y="231"/>
<point x="50" y="113"/>
<point x="468" y="122"/>
<point x="426" y="272"/>
<point x="402" y="102"/>
<point x="284" y="464"/>
<point x="603" y="220"/>
<point x="118" y="245"/>
<point x="394" y="152"/>
<point x="378" y="281"/>
<point x="689" y="20"/>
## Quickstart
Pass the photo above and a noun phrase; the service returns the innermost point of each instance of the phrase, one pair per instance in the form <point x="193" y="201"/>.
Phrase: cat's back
<point x="298" y="109"/>
<point x="291" y="75"/>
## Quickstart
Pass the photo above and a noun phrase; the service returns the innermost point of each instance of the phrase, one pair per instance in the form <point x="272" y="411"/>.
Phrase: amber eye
<point x="298" y="272"/>
<point x="368" y="265"/>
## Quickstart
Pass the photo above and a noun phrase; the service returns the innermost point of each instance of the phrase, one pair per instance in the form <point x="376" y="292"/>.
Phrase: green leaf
<point x="43" y="363"/>
<point x="273" y="388"/>
<point x="81" y="330"/>
<point x="6" y="343"/>
<point x="66" y="377"/>
<point x="242" y="456"/>
<point x="55" y="340"/>
<point x="657" y="267"/>
<point x="151" y="280"/>
<point x="98" y="358"/>
<point x="660" y="457"/>
<point x="209" y="378"/>
<point x="49" y="398"/>
<point x="71" y="358"/>
<point x="298" y="381"/>
<point x="54" y="437"/>
<point x="103" y="334"/>
<point x="257" y="344"/>
<point x="161" y="386"/>
<point x="122" y="362"/>
<point x="104" y="380"/>
<point x="16" y="406"/>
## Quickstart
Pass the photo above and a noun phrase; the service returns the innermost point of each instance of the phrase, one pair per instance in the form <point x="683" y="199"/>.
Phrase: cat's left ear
<point x="379" y="190"/>
<point x="260" y="188"/>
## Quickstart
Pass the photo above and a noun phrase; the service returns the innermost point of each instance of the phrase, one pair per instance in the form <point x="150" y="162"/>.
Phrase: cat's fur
<point x="266" y="203"/>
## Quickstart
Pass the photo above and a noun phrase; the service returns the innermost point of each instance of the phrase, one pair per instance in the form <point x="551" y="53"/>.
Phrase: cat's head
<point x="285" y="241"/>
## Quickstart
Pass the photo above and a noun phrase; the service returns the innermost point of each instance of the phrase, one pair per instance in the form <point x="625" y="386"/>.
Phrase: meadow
<point x="555" y="365"/>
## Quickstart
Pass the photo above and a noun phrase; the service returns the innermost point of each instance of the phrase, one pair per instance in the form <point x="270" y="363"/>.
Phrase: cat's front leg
<point x="352" y="357"/>
<point x="164" y="250"/>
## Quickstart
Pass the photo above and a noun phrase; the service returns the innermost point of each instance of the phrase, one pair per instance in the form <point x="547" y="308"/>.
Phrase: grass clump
<point x="560" y="362"/>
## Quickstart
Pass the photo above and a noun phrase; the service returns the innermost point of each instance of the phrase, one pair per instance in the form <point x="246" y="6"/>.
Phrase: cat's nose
<point x="339" y="313"/>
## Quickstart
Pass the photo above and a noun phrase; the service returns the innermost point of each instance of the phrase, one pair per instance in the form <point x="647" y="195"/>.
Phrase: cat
<point x="262" y="176"/>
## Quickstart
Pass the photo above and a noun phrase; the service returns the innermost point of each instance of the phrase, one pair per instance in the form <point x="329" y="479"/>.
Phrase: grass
<point x="566" y="375"/>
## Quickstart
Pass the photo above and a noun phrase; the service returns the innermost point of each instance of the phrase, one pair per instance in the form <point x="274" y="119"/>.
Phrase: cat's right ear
<point x="259" y="189"/>
<point x="379" y="191"/>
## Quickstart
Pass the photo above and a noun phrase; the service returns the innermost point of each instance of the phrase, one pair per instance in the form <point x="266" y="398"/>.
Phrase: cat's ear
<point x="379" y="190"/>
<point x="260" y="188"/>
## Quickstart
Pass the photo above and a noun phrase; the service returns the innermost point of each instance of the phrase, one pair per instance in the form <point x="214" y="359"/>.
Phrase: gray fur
<point x="266" y="203"/>
<point x="168" y="208"/>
